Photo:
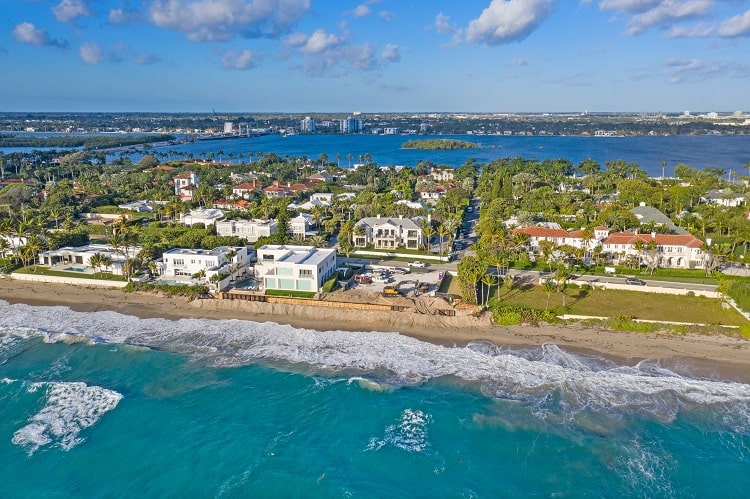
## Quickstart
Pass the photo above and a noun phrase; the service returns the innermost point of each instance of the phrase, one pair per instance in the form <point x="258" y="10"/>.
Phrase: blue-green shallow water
<point x="239" y="409"/>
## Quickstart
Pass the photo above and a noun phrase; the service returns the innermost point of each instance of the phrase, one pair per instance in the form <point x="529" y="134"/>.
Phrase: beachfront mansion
<point x="295" y="268"/>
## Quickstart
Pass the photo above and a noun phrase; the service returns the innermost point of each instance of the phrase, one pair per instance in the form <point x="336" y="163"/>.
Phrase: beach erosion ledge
<point x="715" y="357"/>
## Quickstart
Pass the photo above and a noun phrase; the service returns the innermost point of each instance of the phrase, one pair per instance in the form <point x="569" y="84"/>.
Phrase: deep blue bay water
<point x="103" y="404"/>
<point x="727" y="152"/>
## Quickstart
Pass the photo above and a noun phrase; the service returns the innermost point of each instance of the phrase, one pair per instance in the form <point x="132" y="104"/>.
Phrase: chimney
<point x="653" y="235"/>
<point x="378" y="216"/>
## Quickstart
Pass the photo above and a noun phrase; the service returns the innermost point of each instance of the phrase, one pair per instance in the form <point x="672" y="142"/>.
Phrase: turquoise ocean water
<point x="108" y="405"/>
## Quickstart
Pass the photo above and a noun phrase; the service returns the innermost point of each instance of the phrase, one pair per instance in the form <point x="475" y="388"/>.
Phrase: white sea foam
<point x="645" y="469"/>
<point x="69" y="408"/>
<point x="553" y="382"/>
<point x="409" y="434"/>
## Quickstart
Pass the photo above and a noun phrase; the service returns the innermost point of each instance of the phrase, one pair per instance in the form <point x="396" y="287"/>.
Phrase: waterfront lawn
<point x="623" y="303"/>
<point x="100" y="276"/>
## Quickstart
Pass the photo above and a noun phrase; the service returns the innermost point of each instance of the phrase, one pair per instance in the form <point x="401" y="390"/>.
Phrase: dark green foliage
<point x="85" y="141"/>
<point x="438" y="144"/>
<point x="510" y="314"/>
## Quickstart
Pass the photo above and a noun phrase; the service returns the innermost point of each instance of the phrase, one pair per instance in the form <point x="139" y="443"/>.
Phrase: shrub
<point x="329" y="285"/>
<point x="509" y="314"/>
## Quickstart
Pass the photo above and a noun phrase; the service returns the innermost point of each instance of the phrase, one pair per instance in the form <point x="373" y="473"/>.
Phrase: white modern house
<point x="183" y="262"/>
<point x="250" y="230"/>
<point x="388" y="233"/>
<point x="205" y="216"/>
<point x="295" y="268"/>
<point x="79" y="259"/>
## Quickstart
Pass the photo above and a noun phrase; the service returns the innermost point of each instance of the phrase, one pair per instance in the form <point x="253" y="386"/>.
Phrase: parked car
<point x="417" y="263"/>
<point x="634" y="281"/>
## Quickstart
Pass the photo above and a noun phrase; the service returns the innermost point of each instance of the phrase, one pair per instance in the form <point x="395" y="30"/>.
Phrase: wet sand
<point x="715" y="357"/>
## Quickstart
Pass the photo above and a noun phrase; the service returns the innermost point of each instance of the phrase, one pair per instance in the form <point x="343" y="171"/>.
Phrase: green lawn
<point x="39" y="270"/>
<point x="619" y="303"/>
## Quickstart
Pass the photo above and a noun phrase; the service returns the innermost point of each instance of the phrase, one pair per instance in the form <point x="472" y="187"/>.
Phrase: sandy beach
<point x="715" y="357"/>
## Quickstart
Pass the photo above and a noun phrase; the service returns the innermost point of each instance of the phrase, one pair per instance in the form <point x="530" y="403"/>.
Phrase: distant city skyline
<point x="307" y="56"/>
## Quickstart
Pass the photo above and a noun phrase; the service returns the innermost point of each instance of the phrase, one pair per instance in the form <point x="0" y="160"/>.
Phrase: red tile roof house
<point x="561" y="236"/>
<point x="276" y="191"/>
<point x="245" y="190"/>
<point x="675" y="251"/>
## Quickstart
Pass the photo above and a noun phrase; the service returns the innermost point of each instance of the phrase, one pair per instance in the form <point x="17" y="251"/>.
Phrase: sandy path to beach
<point x="717" y="357"/>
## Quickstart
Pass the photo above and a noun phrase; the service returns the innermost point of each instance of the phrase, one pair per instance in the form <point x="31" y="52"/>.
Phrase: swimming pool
<point x="75" y="269"/>
<point x="247" y="284"/>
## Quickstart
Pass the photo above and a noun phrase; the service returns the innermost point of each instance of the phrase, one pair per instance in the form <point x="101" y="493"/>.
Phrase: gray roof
<point x="406" y="223"/>
<point x="648" y="214"/>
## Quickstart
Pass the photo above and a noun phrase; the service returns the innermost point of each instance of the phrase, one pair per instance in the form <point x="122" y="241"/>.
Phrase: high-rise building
<point x="351" y="125"/>
<point x="307" y="125"/>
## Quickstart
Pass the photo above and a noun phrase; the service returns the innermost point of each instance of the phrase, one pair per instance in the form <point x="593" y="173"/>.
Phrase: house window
<point x="305" y="273"/>
<point x="179" y="261"/>
<point x="267" y="258"/>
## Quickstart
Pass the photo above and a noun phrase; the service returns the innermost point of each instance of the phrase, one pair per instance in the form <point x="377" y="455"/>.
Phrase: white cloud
<point x="391" y="53"/>
<point x="145" y="59"/>
<point x="207" y="20"/>
<point x="91" y="53"/>
<point x="387" y="16"/>
<point x="690" y="70"/>
<point x="332" y="55"/>
<point x="124" y="16"/>
<point x="361" y="10"/>
<point x="28" y="33"/>
<point x="647" y="14"/>
<point x="68" y="10"/>
<point x="666" y="13"/>
<point x="508" y="20"/>
<point x="319" y="42"/>
<point x="517" y="62"/>
<point x="239" y="59"/>
<point x="442" y="24"/>
<point x="736" y="26"/>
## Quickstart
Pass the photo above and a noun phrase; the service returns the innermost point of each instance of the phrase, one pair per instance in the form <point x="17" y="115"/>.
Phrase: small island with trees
<point x="438" y="144"/>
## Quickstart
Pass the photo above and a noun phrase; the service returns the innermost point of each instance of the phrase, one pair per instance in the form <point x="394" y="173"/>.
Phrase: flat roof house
<point x="187" y="262"/>
<point x="250" y="230"/>
<point x="295" y="268"/>
<point x="205" y="216"/>
<point x="81" y="256"/>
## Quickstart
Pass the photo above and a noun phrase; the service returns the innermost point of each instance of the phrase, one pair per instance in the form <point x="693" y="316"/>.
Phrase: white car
<point x="417" y="263"/>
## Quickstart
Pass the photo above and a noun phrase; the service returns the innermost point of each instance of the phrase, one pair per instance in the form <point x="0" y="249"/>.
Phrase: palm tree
<point x="490" y="280"/>
<point x="318" y="241"/>
<point x="442" y="231"/>
<point x="549" y="287"/>
<point x="96" y="261"/>
<point x="106" y="262"/>
<point x="33" y="247"/>
<point x="561" y="281"/>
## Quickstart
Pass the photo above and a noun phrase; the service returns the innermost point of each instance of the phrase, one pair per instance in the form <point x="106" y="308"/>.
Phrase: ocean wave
<point x="554" y="383"/>
<point x="69" y="409"/>
<point x="409" y="433"/>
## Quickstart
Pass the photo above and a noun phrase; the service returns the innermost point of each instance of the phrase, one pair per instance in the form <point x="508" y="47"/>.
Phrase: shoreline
<point x="712" y="357"/>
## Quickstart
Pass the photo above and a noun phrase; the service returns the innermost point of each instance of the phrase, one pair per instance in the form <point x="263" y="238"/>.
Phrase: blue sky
<point x="374" y="55"/>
